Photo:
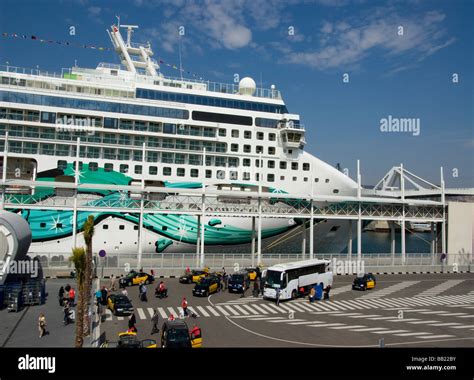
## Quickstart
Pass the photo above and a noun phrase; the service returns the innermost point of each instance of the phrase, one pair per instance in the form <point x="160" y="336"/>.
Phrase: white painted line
<point x="203" y="311"/>
<point x="120" y="318"/>
<point x="463" y="327"/>
<point x="466" y="316"/>
<point x="162" y="313"/>
<point x="222" y="310"/>
<point x="364" y="316"/>
<point x="454" y="314"/>
<point x="246" y="316"/>
<point x="406" y="320"/>
<point x="192" y="310"/>
<point x="422" y="322"/>
<point x="414" y="334"/>
<point x="446" y="324"/>
<point x="108" y="315"/>
<point x="250" y="308"/>
<point x="151" y="311"/>
<point x="303" y="323"/>
<point x="344" y="314"/>
<point x="433" y="312"/>
<point x="267" y="307"/>
<point x="358" y="304"/>
<point x="171" y="310"/>
<point x="329" y="306"/>
<point x="285" y="320"/>
<point x="290" y="307"/>
<point x="383" y="318"/>
<point x="371" y="329"/>
<point x="262" y="318"/>
<point x="231" y="309"/>
<point x="435" y="336"/>
<point x="213" y="312"/>
<point x="305" y="307"/>
<point x="345" y="304"/>
<point x="242" y="310"/>
<point x="388" y="332"/>
<point x="346" y="327"/>
<point x="141" y="313"/>
<point x="327" y="325"/>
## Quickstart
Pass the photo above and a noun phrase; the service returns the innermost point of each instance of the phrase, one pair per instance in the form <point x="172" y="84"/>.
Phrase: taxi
<point x="175" y="334"/>
<point x="119" y="304"/>
<point x="206" y="286"/>
<point x="193" y="277"/>
<point x="136" y="278"/>
<point x="364" y="282"/>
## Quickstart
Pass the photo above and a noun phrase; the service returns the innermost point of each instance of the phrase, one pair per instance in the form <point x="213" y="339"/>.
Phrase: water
<point x="379" y="242"/>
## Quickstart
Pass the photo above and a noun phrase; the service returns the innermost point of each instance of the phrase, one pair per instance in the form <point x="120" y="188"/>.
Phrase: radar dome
<point x="247" y="86"/>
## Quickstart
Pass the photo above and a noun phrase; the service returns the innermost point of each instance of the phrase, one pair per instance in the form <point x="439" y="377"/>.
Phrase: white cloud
<point x="94" y="11"/>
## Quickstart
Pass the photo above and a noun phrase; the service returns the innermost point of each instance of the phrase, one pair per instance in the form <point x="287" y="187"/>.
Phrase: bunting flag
<point x="93" y="47"/>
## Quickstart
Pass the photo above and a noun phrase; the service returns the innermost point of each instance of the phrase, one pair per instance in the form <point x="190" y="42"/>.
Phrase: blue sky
<point x="406" y="76"/>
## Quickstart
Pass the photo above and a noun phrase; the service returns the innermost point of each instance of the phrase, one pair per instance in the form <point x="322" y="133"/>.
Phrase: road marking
<point x="171" y="310"/>
<point x="364" y="316"/>
<point x="211" y="309"/>
<point x="435" y="336"/>
<point x="454" y="314"/>
<point x="305" y="307"/>
<point x="302" y="323"/>
<point x="261" y="310"/>
<point x="433" y="312"/>
<point x="328" y="305"/>
<point x="241" y="309"/>
<point x="120" y="318"/>
<point x="249" y="308"/>
<point x="232" y="310"/>
<point x="108" y="315"/>
<point x="286" y="320"/>
<point x="203" y="311"/>
<point x="422" y="322"/>
<point x="445" y="324"/>
<point x="291" y="307"/>
<point x="358" y="304"/>
<point x="343" y="303"/>
<point x="222" y="310"/>
<point x="388" y="332"/>
<point x="267" y="307"/>
<point x="346" y="327"/>
<point x="440" y="288"/>
<point x="151" y="311"/>
<point x="463" y="327"/>
<point x="263" y="318"/>
<point x="192" y="310"/>
<point x="382" y="318"/>
<point x="162" y="313"/>
<point x="345" y="314"/>
<point x="413" y="334"/>
<point x="371" y="329"/>
<point x="466" y="316"/>
<point x="327" y="325"/>
<point x="389" y="290"/>
<point x="141" y="313"/>
<point x="405" y="320"/>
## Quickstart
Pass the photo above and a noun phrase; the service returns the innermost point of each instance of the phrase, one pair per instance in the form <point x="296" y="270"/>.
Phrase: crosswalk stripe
<point x="435" y="336"/>
<point x="370" y="329"/>
<point x="364" y="316"/>
<point x="413" y="334"/>
<point x="358" y="304"/>
<point x="141" y="313"/>
<point x="301" y="323"/>
<point x="405" y="320"/>
<point x="346" y="327"/>
<point x="108" y="315"/>
<point x="422" y="322"/>
<point x="192" y="310"/>
<point x="263" y="318"/>
<point x="242" y="310"/>
<point x="306" y="307"/>
<point x="162" y="313"/>
<point x="298" y="306"/>
<point x="382" y="318"/>
<point x="463" y="327"/>
<point x="260" y="309"/>
<point x="231" y="309"/>
<point x="327" y="325"/>
<point x="151" y="311"/>
<point x="250" y="308"/>
<point x="267" y="307"/>
<point x="371" y="303"/>
<point x="331" y="307"/>
<point x="345" y="314"/>
<point x="346" y="305"/>
<point x="285" y="320"/>
<point x="222" y="310"/>
<point x="213" y="312"/>
<point x="466" y="316"/>
<point x="389" y="290"/>
<point x="171" y="310"/>
<point x="319" y="306"/>
<point x="446" y="324"/>
<point x="388" y="332"/>
<point x="440" y="288"/>
<point x="203" y="311"/>
<point x="285" y="307"/>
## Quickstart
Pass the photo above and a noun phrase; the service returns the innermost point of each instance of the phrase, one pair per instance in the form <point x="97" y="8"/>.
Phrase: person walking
<point x="256" y="290"/>
<point x="124" y="292"/>
<point x="143" y="290"/>
<point x="278" y="296"/>
<point x="184" y="306"/>
<point x="131" y="323"/>
<point x="72" y="296"/>
<point x="113" y="285"/>
<point x="154" y="321"/>
<point x="42" y="325"/>
<point x="262" y="284"/>
<point x="326" y="292"/>
<point x="61" y="296"/>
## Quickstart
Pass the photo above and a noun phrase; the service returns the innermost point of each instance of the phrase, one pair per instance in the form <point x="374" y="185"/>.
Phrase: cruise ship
<point x="136" y="124"/>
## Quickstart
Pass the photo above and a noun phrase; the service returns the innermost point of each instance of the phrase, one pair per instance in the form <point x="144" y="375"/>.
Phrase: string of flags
<point x="84" y="46"/>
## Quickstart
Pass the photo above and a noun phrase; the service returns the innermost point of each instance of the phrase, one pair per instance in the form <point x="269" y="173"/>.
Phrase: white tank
<point x="247" y="86"/>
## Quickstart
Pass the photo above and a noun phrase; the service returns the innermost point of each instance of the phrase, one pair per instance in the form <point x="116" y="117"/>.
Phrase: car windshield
<point x="273" y="278"/>
<point x="237" y="277"/>
<point x="121" y="299"/>
<point x="205" y="281"/>
<point x="178" y="335"/>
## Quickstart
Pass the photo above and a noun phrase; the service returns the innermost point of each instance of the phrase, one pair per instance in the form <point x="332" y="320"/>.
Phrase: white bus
<point x="290" y="277"/>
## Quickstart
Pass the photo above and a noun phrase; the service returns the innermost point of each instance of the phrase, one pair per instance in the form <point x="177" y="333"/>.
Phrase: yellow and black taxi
<point x="136" y="278"/>
<point x="206" y="286"/>
<point x="238" y="282"/>
<point x="130" y="340"/>
<point x="364" y="282"/>
<point x="193" y="277"/>
<point x="175" y="334"/>
<point x="119" y="304"/>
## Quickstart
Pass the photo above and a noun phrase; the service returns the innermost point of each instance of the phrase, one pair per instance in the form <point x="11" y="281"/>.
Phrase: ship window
<point x="42" y="224"/>
<point x="153" y="170"/>
<point x="271" y="164"/>
<point x="257" y="163"/>
<point x="290" y="151"/>
<point x="62" y="164"/>
<point x="271" y="136"/>
<point x="259" y="135"/>
<point x="246" y="176"/>
<point x="305" y="179"/>
<point x="246" y="162"/>
<point x="108" y="167"/>
<point x="48" y="117"/>
<point x="220" y="174"/>
<point x="294" y="166"/>
<point x="282" y="164"/>
<point x="208" y="173"/>
<point x="93" y="166"/>
<point x="121" y="227"/>
<point x="123" y="168"/>
<point x="221" y="118"/>
<point x="282" y="178"/>
<point x="110" y="123"/>
<point x="164" y="228"/>
<point x="294" y="179"/>
<point x="234" y="147"/>
<point x="305" y="166"/>
<point x="247" y="148"/>
<point x="235" y="133"/>
<point x="135" y="228"/>
<point x="105" y="227"/>
<point x="194" y="173"/>
<point x="222" y="132"/>
<point x="247" y="134"/>
<point x="270" y="177"/>
<point x="327" y="180"/>
<point x="167" y="170"/>
<point x="180" y="172"/>
<point x="259" y="149"/>
<point x="271" y="150"/>
<point x="138" y="169"/>
<point x="234" y="175"/>
<point x="257" y="176"/>
<point x="316" y="180"/>
<point x="335" y="191"/>
<point x="169" y="128"/>
<point x="80" y="165"/>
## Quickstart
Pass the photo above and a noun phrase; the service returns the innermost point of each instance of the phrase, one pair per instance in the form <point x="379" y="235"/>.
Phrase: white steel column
<point x="76" y="182"/>
<point x="303" y="240"/>
<point x="432" y="236"/>
<point x="311" y="223"/>
<point x="443" y="225"/>
<point x="252" y="252"/>
<point x="4" y="171"/>
<point x="349" y="242"/>
<point x="402" y="225"/>
<point x="142" y="204"/>
<point x="198" y="239"/>
<point x="392" y="241"/>
<point x="203" y="208"/>
<point x="359" y="220"/>
<point x="259" y="236"/>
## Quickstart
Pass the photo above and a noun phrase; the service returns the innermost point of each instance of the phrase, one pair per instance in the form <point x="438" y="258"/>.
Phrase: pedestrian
<point x="124" y="292"/>
<point x="72" y="296"/>
<point x="244" y="288"/>
<point x="113" y="286"/>
<point x="152" y="272"/>
<point x="154" y="321"/>
<point x="312" y="294"/>
<point x="226" y="281"/>
<point x="262" y="284"/>
<point x="256" y="291"/>
<point x="131" y="323"/>
<point x="171" y="317"/>
<point x="104" y="294"/>
<point x="61" y="296"/>
<point x="67" y="288"/>
<point x="143" y="295"/>
<point x="184" y="306"/>
<point x="277" y="296"/>
<point x="42" y="325"/>
<point x="187" y="271"/>
<point x="326" y="292"/>
<point x="66" y="311"/>
<point x="319" y="291"/>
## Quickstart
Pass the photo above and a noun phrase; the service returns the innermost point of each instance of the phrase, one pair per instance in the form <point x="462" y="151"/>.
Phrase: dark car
<point x="175" y="334"/>
<point x="206" y="286"/>
<point x="119" y="304"/>
<point x="136" y="278"/>
<point x="193" y="276"/>
<point x="364" y="282"/>
<point x="237" y="281"/>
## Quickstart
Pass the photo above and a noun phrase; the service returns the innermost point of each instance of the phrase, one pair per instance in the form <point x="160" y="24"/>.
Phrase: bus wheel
<point x="293" y="295"/>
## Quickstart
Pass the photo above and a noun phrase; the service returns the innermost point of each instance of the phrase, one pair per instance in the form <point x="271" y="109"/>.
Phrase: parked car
<point x="364" y="282"/>
<point x="136" y="278"/>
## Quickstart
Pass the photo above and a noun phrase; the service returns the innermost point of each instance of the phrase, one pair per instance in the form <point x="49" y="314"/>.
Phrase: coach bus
<point x="289" y="277"/>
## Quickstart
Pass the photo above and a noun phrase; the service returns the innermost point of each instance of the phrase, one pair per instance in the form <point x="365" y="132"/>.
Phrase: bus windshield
<point x="273" y="278"/>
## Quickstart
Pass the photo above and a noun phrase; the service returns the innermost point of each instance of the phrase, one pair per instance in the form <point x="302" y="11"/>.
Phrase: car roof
<point x="176" y="323"/>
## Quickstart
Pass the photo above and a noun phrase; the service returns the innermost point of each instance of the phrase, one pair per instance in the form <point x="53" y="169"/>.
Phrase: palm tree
<point x="78" y="258"/>
<point x="88" y="234"/>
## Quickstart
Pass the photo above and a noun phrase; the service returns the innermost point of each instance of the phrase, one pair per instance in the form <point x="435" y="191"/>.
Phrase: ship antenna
<point x="118" y="21"/>
<point x="180" y="62"/>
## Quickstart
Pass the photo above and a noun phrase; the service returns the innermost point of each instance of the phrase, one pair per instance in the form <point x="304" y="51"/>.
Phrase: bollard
<point x="381" y="342"/>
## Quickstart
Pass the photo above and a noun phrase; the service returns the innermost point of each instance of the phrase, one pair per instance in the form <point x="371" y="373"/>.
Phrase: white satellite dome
<point x="247" y="86"/>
